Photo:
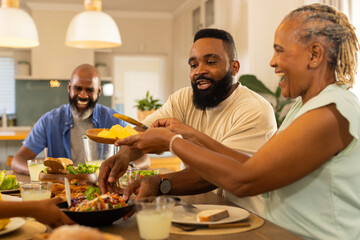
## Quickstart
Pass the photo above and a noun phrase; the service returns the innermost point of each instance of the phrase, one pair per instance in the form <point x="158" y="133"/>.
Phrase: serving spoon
<point x="130" y="120"/>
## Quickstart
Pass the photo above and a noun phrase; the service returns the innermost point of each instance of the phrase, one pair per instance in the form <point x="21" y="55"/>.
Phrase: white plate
<point x="15" y="223"/>
<point x="5" y="197"/>
<point x="185" y="217"/>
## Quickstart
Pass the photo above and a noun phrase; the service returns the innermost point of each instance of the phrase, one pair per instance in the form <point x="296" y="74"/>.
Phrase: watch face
<point x="165" y="186"/>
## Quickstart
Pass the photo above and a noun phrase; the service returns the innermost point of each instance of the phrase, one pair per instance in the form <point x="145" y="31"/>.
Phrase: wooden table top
<point x="11" y="134"/>
<point x="128" y="229"/>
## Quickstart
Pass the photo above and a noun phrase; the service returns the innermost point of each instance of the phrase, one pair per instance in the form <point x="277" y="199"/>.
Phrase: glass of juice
<point x="35" y="167"/>
<point x="131" y="175"/>
<point x="35" y="191"/>
<point x="153" y="215"/>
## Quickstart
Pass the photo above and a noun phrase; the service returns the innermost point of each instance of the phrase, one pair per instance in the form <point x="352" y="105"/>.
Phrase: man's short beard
<point x="214" y="95"/>
<point x="82" y="113"/>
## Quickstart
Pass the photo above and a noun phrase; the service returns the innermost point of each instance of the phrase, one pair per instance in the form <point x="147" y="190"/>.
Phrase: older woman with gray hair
<point x="309" y="170"/>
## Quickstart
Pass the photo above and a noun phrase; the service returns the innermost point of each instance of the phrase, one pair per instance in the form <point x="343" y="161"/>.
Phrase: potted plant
<point x="251" y="82"/>
<point x="147" y="106"/>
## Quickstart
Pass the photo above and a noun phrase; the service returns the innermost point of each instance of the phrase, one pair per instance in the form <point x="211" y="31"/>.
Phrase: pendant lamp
<point x="17" y="28"/>
<point x="93" y="28"/>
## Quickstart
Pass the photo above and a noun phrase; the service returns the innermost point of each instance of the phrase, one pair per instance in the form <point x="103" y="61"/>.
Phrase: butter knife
<point x="67" y="191"/>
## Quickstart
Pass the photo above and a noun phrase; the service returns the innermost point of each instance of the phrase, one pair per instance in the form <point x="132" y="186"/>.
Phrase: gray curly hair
<point x="321" y="22"/>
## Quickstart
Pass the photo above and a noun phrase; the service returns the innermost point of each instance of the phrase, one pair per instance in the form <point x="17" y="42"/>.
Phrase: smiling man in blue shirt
<point x="61" y="129"/>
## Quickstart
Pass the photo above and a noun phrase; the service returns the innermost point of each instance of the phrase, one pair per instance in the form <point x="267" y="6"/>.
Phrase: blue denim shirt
<point x="52" y="130"/>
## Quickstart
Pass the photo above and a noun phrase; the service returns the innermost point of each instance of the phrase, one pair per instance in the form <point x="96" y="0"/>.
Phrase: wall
<point x="148" y="36"/>
<point x="36" y="97"/>
<point x="252" y="24"/>
<point x="52" y="59"/>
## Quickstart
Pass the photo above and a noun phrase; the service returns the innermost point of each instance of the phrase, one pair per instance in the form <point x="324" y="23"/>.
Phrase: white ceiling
<point x="166" y="6"/>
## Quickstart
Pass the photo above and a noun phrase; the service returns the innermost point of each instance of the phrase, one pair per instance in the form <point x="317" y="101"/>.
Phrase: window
<point x="7" y="83"/>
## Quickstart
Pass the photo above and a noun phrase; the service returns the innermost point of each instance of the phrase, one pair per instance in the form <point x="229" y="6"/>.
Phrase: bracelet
<point x="171" y="142"/>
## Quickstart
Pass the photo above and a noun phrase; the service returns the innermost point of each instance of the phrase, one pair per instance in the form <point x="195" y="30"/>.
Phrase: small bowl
<point x="96" y="218"/>
<point x="59" y="178"/>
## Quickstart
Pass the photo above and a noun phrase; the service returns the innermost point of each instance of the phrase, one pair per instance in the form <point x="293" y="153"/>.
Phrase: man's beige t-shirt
<point x="244" y="122"/>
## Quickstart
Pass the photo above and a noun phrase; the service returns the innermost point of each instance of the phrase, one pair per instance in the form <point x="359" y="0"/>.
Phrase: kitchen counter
<point x="10" y="141"/>
<point x="14" y="133"/>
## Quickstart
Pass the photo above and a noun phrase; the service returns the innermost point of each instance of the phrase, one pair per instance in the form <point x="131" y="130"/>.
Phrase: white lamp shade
<point x="17" y="29"/>
<point x="93" y="29"/>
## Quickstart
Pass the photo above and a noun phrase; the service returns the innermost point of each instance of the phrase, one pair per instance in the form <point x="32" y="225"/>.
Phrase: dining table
<point x="128" y="229"/>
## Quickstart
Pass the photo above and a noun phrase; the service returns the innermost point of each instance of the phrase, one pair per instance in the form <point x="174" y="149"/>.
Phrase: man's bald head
<point x="84" y="89"/>
<point x="86" y="71"/>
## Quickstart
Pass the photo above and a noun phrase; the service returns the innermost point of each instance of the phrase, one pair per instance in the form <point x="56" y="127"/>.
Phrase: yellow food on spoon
<point x="4" y="221"/>
<point x="118" y="132"/>
<point x="131" y="130"/>
<point x="106" y="134"/>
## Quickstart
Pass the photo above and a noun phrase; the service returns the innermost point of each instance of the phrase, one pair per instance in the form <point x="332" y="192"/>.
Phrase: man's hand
<point x="47" y="212"/>
<point x="144" y="187"/>
<point x="110" y="171"/>
<point x="164" y="122"/>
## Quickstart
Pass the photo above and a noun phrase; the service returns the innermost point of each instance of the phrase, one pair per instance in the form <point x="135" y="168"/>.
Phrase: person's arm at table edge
<point x="19" y="164"/>
<point x="180" y="182"/>
<point x="44" y="211"/>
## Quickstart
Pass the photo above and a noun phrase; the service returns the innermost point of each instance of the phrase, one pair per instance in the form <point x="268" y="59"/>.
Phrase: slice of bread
<point x="212" y="215"/>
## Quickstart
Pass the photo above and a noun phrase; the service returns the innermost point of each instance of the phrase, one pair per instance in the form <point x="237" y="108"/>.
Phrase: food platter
<point x="96" y="218"/>
<point x="59" y="178"/>
<point x="93" y="135"/>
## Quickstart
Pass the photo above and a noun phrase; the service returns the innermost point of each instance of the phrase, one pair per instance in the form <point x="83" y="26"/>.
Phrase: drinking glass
<point x="96" y="153"/>
<point x="130" y="175"/>
<point x="35" y="191"/>
<point x="35" y="167"/>
<point x="153" y="215"/>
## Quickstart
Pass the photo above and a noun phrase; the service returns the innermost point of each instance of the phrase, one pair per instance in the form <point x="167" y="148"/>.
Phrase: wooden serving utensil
<point x="93" y="135"/>
<point x="130" y="120"/>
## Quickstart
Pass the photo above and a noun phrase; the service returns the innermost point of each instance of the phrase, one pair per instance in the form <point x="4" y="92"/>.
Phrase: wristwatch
<point x="165" y="184"/>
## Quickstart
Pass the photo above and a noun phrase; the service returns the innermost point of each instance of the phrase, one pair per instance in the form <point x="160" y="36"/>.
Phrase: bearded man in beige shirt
<point x="215" y="105"/>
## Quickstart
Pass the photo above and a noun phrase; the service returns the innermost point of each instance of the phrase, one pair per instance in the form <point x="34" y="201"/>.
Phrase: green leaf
<point x="251" y="82"/>
<point x="147" y="103"/>
<point x="278" y="92"/>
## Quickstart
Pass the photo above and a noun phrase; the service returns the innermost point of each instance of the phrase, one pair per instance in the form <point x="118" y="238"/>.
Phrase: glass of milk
<point x="153" y="215"/>
<point x="35" y="191"/>
<point x="35" y="167"/>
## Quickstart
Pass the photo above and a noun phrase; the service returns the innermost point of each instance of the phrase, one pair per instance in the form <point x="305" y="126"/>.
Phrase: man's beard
<point x="214" y="95"/>
<point x="82" y="113"/>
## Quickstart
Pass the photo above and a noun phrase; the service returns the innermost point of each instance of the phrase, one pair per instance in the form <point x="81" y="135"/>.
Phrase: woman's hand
<point x="47" y="212"/>
<point x="177" y="127"/>
<point x="153" y="140"/>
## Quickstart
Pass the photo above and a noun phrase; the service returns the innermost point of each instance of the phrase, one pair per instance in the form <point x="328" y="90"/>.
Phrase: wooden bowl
<point x="59" y="178"/>
<point x="93" y="135"/>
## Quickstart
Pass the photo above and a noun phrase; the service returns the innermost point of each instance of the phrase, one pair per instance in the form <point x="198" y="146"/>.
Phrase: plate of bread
<point x="209" y="214"/>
